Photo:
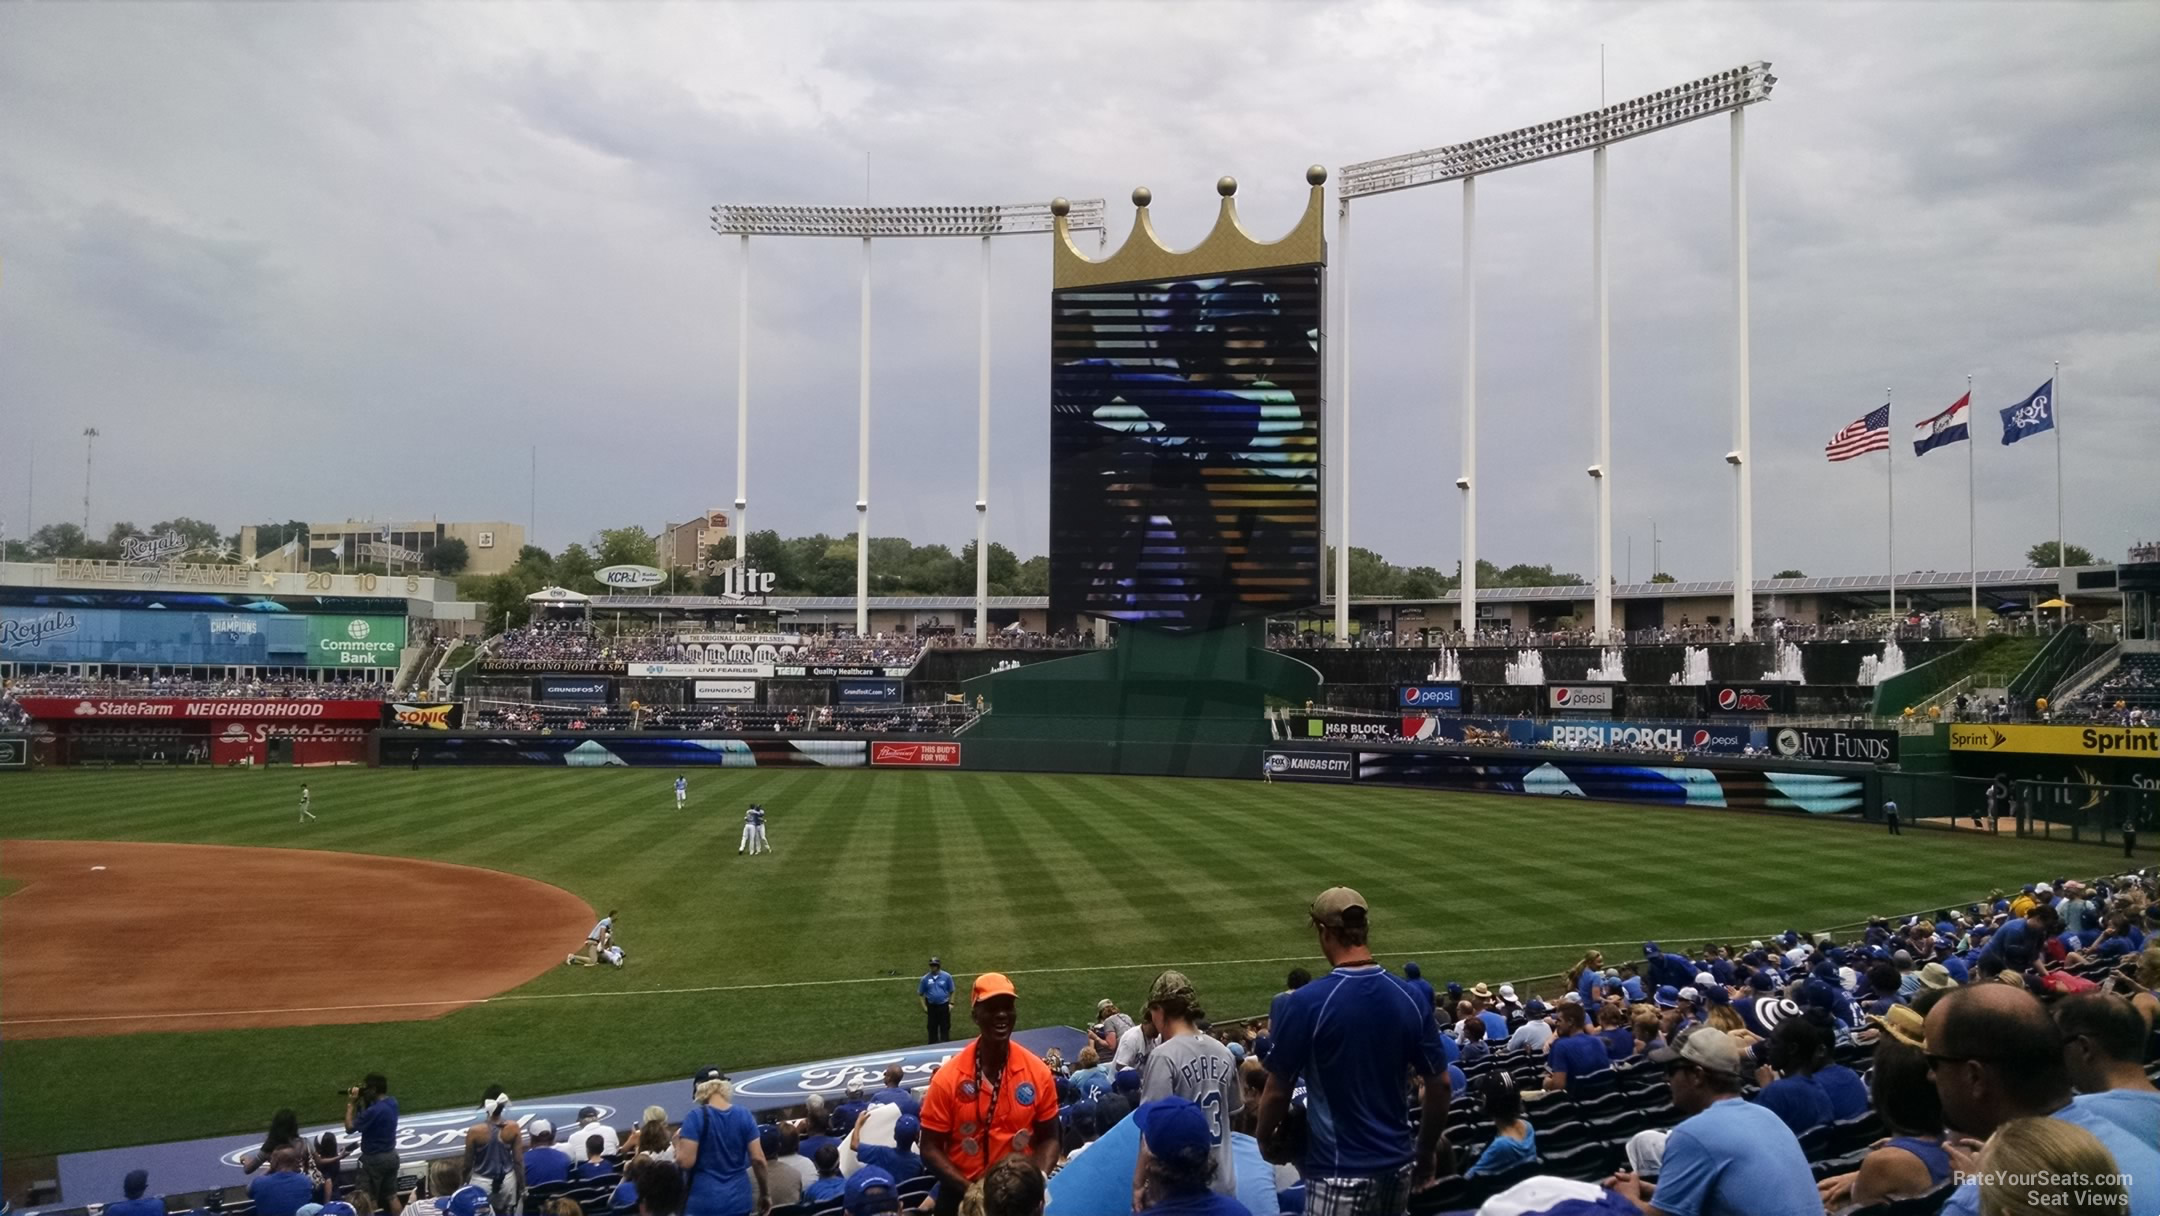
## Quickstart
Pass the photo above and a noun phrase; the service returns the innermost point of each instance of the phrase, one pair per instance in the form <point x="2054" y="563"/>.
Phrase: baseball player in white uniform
<point x="682" y="792"/>
<point x="749" y="831"/>
<point x="305" y="799"/>
<point x="757" y="823"/>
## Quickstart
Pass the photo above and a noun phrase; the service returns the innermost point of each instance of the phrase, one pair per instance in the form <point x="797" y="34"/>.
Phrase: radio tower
<point x="90" y="434"/>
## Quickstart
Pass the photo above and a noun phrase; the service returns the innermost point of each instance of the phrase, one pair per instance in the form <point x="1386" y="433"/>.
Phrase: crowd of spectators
<point x="1018" y="639"/>
<point x="12" y="715"/>
<point x="925" y="719"/>
<point x="260" y="688"/>
<point x="539" y="645"/>
<point x="1994" y="1058"/>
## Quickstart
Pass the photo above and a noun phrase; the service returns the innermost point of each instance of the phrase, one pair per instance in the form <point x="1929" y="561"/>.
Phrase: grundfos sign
<point x="175" y="708"/>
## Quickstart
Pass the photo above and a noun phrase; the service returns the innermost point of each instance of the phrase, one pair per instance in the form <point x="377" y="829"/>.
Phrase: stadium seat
<point x="1445" y="1195"/>
<point x="1563" y="1136"/>
<point x="914" y="1190"/>
<point x="1815" y="1142"/>
<point x="834" y="1208"/>
<point x="1591" y="1160"/>
<point x="1843" y="1163"/>
<point x="1858" y="1132"/>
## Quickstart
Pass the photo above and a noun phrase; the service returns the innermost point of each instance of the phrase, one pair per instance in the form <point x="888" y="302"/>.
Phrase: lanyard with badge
<point x="988" y="1123"/>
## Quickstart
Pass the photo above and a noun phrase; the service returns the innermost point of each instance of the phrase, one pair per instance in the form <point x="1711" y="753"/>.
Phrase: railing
<point x="2088" y="675"/>
<point x="2053" y="661"/>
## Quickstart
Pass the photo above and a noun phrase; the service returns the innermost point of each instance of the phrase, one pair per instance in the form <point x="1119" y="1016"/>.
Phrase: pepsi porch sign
<point x="1431" y="696"/>
<point x="1600" y="697"/>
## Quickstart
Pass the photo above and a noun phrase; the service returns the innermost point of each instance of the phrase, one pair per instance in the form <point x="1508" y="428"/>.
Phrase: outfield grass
<point x="1081" y="887"/>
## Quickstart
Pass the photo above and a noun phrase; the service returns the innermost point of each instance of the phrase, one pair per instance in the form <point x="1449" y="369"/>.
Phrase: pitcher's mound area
<point x="112" y="938"/>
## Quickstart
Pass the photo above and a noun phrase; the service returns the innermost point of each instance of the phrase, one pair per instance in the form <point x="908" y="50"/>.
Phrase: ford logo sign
<point x="834" y="1076"/>
<point x="436" y="1133"/>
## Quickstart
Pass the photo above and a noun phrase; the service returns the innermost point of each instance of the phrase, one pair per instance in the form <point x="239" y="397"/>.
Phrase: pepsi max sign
<point x="1430" y="696"/>
<point x="1747" y="698"/>
<point x="1580" y="696"/>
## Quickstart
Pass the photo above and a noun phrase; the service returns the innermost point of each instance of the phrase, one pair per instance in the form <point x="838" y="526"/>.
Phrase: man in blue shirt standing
<point x="1729" y="1157"/>
<point x="935" y="990"/>
<point x="2016" y="946"/>
<point x="1352" y="1035"/>
<point x="372" y="1112"/>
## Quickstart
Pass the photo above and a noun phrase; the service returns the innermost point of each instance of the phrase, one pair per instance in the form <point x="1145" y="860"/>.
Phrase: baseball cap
<point x="1237" y="1051"/>
<point x="1650" y="949"/>
<point x="1690" y="994"/>
<point x="1667" y="996"/>
<point x="1571" y="998"/>
<point x="1339" y="908"/>
<point x="1127" y="1078"/>
<point x="711" y="1072"/>
<point x="1104" y="1006"/>
<point x="1762" y="981"/>
<point x="1170" y="986"/>
<point x="855" y="1088"/>
<point x="136" y="1183"/>
<point x="1706" y="1047"/>
<point x="993" y="983"/>
<point x="1507" y="992"/>
<point x="2041" y="888"/>
<point x="587" y="1112"/>
<point x="1535" y="1008"/>
<point x="906" y="1128"/>
<point x="540" y="1127"/>
<point x="934" y="961"/>
<point x="1174" y="1129"/>
<point x="1717" y="995"/>
<point x="473" y="1201"/>
<point x="870" y="1189"/>
<point x="1935" y="975"/>
<point x="1704" y="979"/>
<point x="1412" y="971"/>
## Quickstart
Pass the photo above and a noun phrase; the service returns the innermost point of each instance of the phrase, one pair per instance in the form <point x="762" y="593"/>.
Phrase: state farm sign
<point x="179" y="708"/>
<point x="915" y="755"/>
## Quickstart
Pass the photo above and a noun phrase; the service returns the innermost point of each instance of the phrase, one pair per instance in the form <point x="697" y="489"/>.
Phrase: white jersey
<point x="606" y="924"/>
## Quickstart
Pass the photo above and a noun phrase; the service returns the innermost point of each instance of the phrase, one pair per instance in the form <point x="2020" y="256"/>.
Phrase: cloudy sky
<point x="322" y="261"/>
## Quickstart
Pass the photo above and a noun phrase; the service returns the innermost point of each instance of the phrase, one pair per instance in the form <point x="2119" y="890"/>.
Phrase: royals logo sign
<point x="30" y="633"/>
<point x="149" y="550"/>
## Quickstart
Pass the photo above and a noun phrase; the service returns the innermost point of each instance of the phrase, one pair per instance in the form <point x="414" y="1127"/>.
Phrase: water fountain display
<point x="1786" y="666"/>
<point x="1875" y="670"/>
<point x="1611" y="666"/>
<point x="1695" y="666"/>
<point x="1447" y="669"/>
<point x="1527" y="667"/>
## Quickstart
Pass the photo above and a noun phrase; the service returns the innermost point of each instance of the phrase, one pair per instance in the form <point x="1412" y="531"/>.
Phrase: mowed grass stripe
<point x="874" y="870"/>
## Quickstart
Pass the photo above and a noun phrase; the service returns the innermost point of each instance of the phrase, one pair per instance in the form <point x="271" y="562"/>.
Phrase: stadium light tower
<point x="982" y="221"/>
<point x="1727" y="92"/>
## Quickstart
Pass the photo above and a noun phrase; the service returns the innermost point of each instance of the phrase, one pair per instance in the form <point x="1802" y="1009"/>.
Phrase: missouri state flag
<point x="1946" y="427"/>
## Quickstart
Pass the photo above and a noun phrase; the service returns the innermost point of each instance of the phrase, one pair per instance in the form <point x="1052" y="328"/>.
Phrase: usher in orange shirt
<point x="968" y="1108"/>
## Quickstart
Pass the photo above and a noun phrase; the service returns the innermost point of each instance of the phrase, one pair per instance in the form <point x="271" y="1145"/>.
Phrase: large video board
<point x="1185" y="448"/>
<point x="179" y="638"/>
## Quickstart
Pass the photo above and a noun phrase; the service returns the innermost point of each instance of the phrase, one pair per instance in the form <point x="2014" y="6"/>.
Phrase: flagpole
<point x="2062" y="556"/>
<point x="1890" y="506"/>
<point x="1972" y="534"/>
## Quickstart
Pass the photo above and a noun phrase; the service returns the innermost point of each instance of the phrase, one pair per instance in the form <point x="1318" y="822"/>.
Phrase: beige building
<point x="683" y="546"/>
<point x="490" y="547"/>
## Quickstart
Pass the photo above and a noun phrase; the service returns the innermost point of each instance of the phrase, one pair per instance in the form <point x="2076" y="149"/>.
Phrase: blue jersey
<point x="682" y="785"/>
<point x="1353" y="1035"/>
<point x="719" y="1185"/>
<point x="936" y="987"/>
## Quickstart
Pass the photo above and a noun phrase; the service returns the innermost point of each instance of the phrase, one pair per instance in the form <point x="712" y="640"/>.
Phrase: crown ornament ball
<point x="1226" y="249"/>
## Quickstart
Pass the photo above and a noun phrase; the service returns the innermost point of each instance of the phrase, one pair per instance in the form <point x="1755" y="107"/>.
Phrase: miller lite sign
<point x="745" y="583"/>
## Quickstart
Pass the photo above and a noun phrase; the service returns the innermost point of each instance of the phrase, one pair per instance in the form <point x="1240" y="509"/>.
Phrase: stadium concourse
<point x="1960" y="1060"/>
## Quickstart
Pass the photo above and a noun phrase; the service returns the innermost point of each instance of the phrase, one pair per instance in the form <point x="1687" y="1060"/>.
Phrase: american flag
<point x="1870" y="434"/>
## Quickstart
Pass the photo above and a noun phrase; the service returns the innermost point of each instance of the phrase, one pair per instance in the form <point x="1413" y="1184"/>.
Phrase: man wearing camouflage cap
<point x="1193" y="1066"/>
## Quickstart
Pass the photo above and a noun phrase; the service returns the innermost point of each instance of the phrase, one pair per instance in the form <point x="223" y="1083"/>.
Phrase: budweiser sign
<point x="915" y="755"/>
<point x="283" y="709"/>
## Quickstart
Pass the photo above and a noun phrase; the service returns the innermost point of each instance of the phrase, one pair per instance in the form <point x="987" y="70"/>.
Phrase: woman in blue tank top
<point x="1912" y="1161"/>
<point x="717" y="1147"/>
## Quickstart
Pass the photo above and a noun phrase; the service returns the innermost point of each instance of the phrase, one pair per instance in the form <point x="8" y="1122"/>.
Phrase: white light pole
<point x="1466" y="587"/>
<point x="1742" y="456"/>
<point x="865" y="224"/>
<point x="1342" y="442"/>
<point x="1601" y="468"/>
<point x="90" y="438"/>
<point x="1723" y="92"/>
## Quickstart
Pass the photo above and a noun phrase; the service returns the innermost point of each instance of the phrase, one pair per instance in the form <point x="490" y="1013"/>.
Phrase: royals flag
<point x="1946" y="427"/>
<point x="1870" y="434"/>
<point x="2030" y="416"/>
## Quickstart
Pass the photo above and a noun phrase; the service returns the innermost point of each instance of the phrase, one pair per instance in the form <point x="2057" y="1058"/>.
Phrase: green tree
<point x="1425" y="583"/>
<point x="628" y="546"/>
<point x="1662" y="577"/>
<point x="1004" y="569"/>
<point x="1790" y="574"/>
<point x="270" y="536"/>
<point x="120" y="531"/>
<point x="1033" y="576"/>
<point x="449" y="556"/>
<point x="58" y="540"/>
<point x="574" y="569"/>
<point x="199" y="534"/>
<point x="2043" y="555"/>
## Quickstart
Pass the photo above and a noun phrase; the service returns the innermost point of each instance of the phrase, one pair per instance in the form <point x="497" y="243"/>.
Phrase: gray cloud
<point x="315" y="261"/>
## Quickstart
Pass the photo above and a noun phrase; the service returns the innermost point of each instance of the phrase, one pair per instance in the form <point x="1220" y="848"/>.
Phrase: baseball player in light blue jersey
<point x="749" y="831"/>
<point x="682" y="792"/>
<point x="757" y="824"/>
